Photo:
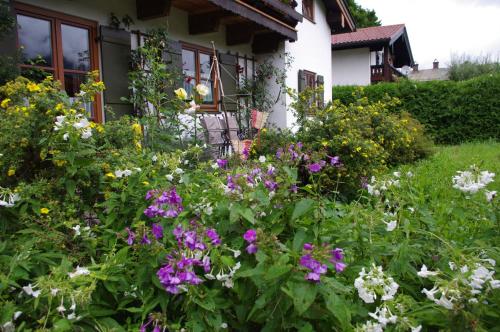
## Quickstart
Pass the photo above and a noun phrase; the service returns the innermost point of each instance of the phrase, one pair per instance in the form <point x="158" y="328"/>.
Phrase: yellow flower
<point x="137" y="129"/>
<point x="11" y="171"/>
<point x="138" y="145"/>
<point x="32" y="87"/>
<point x="146" y="183"/>
<point x="92" y="124"/>
<point x="100" y="128"/>
<point x="5" y="103"/>
<point x="59" y="163"/>
<point x="110" y="175"/>
<point x="324" y="143"/>
<point x="59" y="107"/>
<point x="44" y="211"/>
<point x="358" y="149"/>
<point x="181" y="93"/>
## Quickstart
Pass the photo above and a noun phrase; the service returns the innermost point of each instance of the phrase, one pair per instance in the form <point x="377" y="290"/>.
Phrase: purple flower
<point x="308" y="246"/>
<point x="299" y="145"/>
<point x="222" y="163"/>
<point x="131" y="236"/>
<point x="271" y="185"/>
<point x="314" y="168"/>
<point x="339" y="266"/>
<point x="167" y="205"/>
<point x="279" y="153"/>
<point x="250" y="236"/>
<point x="364" y="182"/>
<point x="213" y="236"/>
<point x="252" y="248"/>
<point x="294" y="189"/>
<point x="145" y="240"/>
<point x="338" y="254"/>
<point x="313" y="276"/>
<point x="337" y="257"/>
<point x="335" y="161"/>
<point x="157" y="329"/>
<point x="157" y="230"/>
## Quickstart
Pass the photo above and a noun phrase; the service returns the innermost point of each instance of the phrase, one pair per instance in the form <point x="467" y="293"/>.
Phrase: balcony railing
<point x="383" y="73"/>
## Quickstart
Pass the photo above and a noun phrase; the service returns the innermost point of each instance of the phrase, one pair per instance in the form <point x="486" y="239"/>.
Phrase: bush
<point x="466" y="67"/>
<point x="367" y="138"/>
<point x="452" y="112"/>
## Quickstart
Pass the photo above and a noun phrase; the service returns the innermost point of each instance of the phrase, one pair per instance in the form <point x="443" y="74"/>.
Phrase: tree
<point x="364" y="17"/>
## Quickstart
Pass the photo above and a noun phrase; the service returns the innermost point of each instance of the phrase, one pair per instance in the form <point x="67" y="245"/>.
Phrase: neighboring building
<point x="370" y="55"/>
<point x="73" y="37"/>
<point x="434" y="74"/>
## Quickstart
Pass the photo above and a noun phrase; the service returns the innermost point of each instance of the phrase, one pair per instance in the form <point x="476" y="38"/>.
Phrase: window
<point x="310" y="78"/>
<point x="308" y="9"/>
<point x="56" y="44"/>
<point x="197" y="68"/>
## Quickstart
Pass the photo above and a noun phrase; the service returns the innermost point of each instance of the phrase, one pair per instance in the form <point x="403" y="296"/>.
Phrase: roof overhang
<point x="339" y="17"/>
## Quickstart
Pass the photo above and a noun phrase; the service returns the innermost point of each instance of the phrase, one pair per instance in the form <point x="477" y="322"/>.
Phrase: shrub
<point x="466" y="67"/>
<point x="367" y="138"/>
<point x="452" y="112"/>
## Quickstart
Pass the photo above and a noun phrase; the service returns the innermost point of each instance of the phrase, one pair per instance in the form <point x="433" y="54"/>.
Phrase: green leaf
<point x="303" y="295"/>
<point x="299" y="239"/>
<point x="302" y="207"/>
<point x="277" y="271"/>
<point x="339" y="308"/>
<point x="247" y="214"/>
<point x="62" y="325"/>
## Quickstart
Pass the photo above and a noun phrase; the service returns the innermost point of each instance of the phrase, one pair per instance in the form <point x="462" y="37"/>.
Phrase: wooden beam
<point x="204" y="23"/>
<point x="266" y="42"/>
<point x="239" y="33"/>
<point x="149" y="9"/>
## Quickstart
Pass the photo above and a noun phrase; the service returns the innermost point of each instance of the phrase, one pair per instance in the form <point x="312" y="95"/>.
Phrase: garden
<point x="356" y="222"/>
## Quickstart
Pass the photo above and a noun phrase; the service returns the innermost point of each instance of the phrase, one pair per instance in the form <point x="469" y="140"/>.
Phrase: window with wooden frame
<point x="60" y="45"/>
<point x="310" y="79"/>
<point x="308" y="9"/>
<point x="197" y="68"/>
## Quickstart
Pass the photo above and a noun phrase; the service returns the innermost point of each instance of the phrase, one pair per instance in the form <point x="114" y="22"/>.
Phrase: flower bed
<point x="101" y="233"/>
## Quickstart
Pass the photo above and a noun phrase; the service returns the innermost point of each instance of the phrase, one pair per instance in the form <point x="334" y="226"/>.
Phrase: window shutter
<point x="320" y="81"/>
<point x="302" y="81"/>
<point x="8" y="48"/>
<point x="172" y="57"/>
<point x="229" y="77"/>
<point x="115" y="52"/>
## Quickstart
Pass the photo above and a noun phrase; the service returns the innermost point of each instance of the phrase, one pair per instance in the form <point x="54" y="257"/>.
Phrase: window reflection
<point x="189" y="70"/>
<point x="76" y="53"/>
<point x="205" y="76"/>
<point x="34" y="36"/>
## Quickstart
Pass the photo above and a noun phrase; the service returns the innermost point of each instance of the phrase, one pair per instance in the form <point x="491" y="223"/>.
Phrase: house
<point x="434" y="74"/>
<point x="69" y="38"/>
<point x="370" y="55"/>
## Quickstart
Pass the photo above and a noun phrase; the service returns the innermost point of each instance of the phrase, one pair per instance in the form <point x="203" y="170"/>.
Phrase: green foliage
<point x="452" y="112"/>
<point x="466" y="67"/>
<point x="363" y="17"/>
<point x="365" y="135"/>
<point x="67" y="262"/>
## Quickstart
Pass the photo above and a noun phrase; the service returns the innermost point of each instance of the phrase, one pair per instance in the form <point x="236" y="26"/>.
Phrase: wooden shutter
<point x="115" y="53"/>
<point x="8" y="49"/>
<point x="302" y="81"/>
<point x="172" y="57"/>
<point x="320" y="81"/>
<point x="229" y="77"/>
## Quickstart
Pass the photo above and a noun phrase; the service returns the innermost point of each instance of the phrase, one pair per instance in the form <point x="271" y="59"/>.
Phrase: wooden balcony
<point x="384" y="73"/>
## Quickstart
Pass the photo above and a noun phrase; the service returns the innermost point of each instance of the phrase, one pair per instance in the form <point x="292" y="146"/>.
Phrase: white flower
<point x="424" y="273"/>
<point x="208" y="210"/>
<point x="17" y="314"/>
<point x="223" y="326"/>
<point x="169" y="177"/>
<point x="464" y="269"/>
<point x="374" y="283"/>
<point x="384" y="316"/>
<point x="370" y="327"/>
<point x="262" y="159"/>
<point x="202" y="90"/>
<point x="60" y="309"/>
<point x="490" y="195"/>
<point x="29" y="290"/>
<point x="8" y="327"/>
<point x="192" y="109"/>
<point x="154" y="158"/>
<point x="397" y="174"/>
<point x="452" y="266"/>
<point x="87" y="133"/>
<point x="410" y="175"/>
<point x="179" y="171"/>
<point x="215" y="166"/>
<point x="472" y="181"/>
<point x="77" y="230"/>
<point x="54" y="291"/>
<point x="430" y="293"/>
<point x="66" y="136"/>
<point x="79" y="271"/>
<point x="8" y="199"/>
<point x="210" y="276"/>
<point x="495" y="284"/>
<point x="416" y="329"/>
<point x="72" y="316"/>
<point x="82" y="124"/>
<point x="124" y="173"/>
<point x="60" y="119"/>
<point x="236" y="253"/>
<point x="391" y="225"/>
<point x="228" y="283"/>
<point x="444" y="302"/>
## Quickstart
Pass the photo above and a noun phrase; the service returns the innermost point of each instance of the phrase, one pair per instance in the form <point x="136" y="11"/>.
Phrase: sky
<point x="439" y="29"/>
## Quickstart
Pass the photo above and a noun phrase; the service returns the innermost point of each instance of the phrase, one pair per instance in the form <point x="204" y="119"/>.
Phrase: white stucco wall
<point x="351" y="67"/>
<point x="312" y="52"/>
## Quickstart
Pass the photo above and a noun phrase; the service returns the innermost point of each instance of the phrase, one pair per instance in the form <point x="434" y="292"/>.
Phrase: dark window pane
<point x="76" y="49"/>
<point x="35" y="40"/>
<point x="209" y="99"/>
<point x="72" y="83"/>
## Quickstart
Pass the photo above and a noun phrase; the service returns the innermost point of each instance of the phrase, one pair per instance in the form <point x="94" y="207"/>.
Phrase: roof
<point x="440" y="74"/>
<point x="367" y="36"/>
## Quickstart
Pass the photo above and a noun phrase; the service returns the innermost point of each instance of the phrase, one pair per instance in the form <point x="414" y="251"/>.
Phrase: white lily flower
<point x="424" y="273"/>
<point x="202" y="90"/>
<point x="79" y="271"/>
<point x="262" y="159"/>
<point x="391" y="225"/>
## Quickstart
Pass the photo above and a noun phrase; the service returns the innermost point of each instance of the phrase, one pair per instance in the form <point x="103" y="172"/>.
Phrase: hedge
<point x="452" y="112"/>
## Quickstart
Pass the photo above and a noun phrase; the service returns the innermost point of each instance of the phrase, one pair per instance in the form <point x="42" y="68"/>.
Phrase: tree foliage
<point x="364" y="17"/>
